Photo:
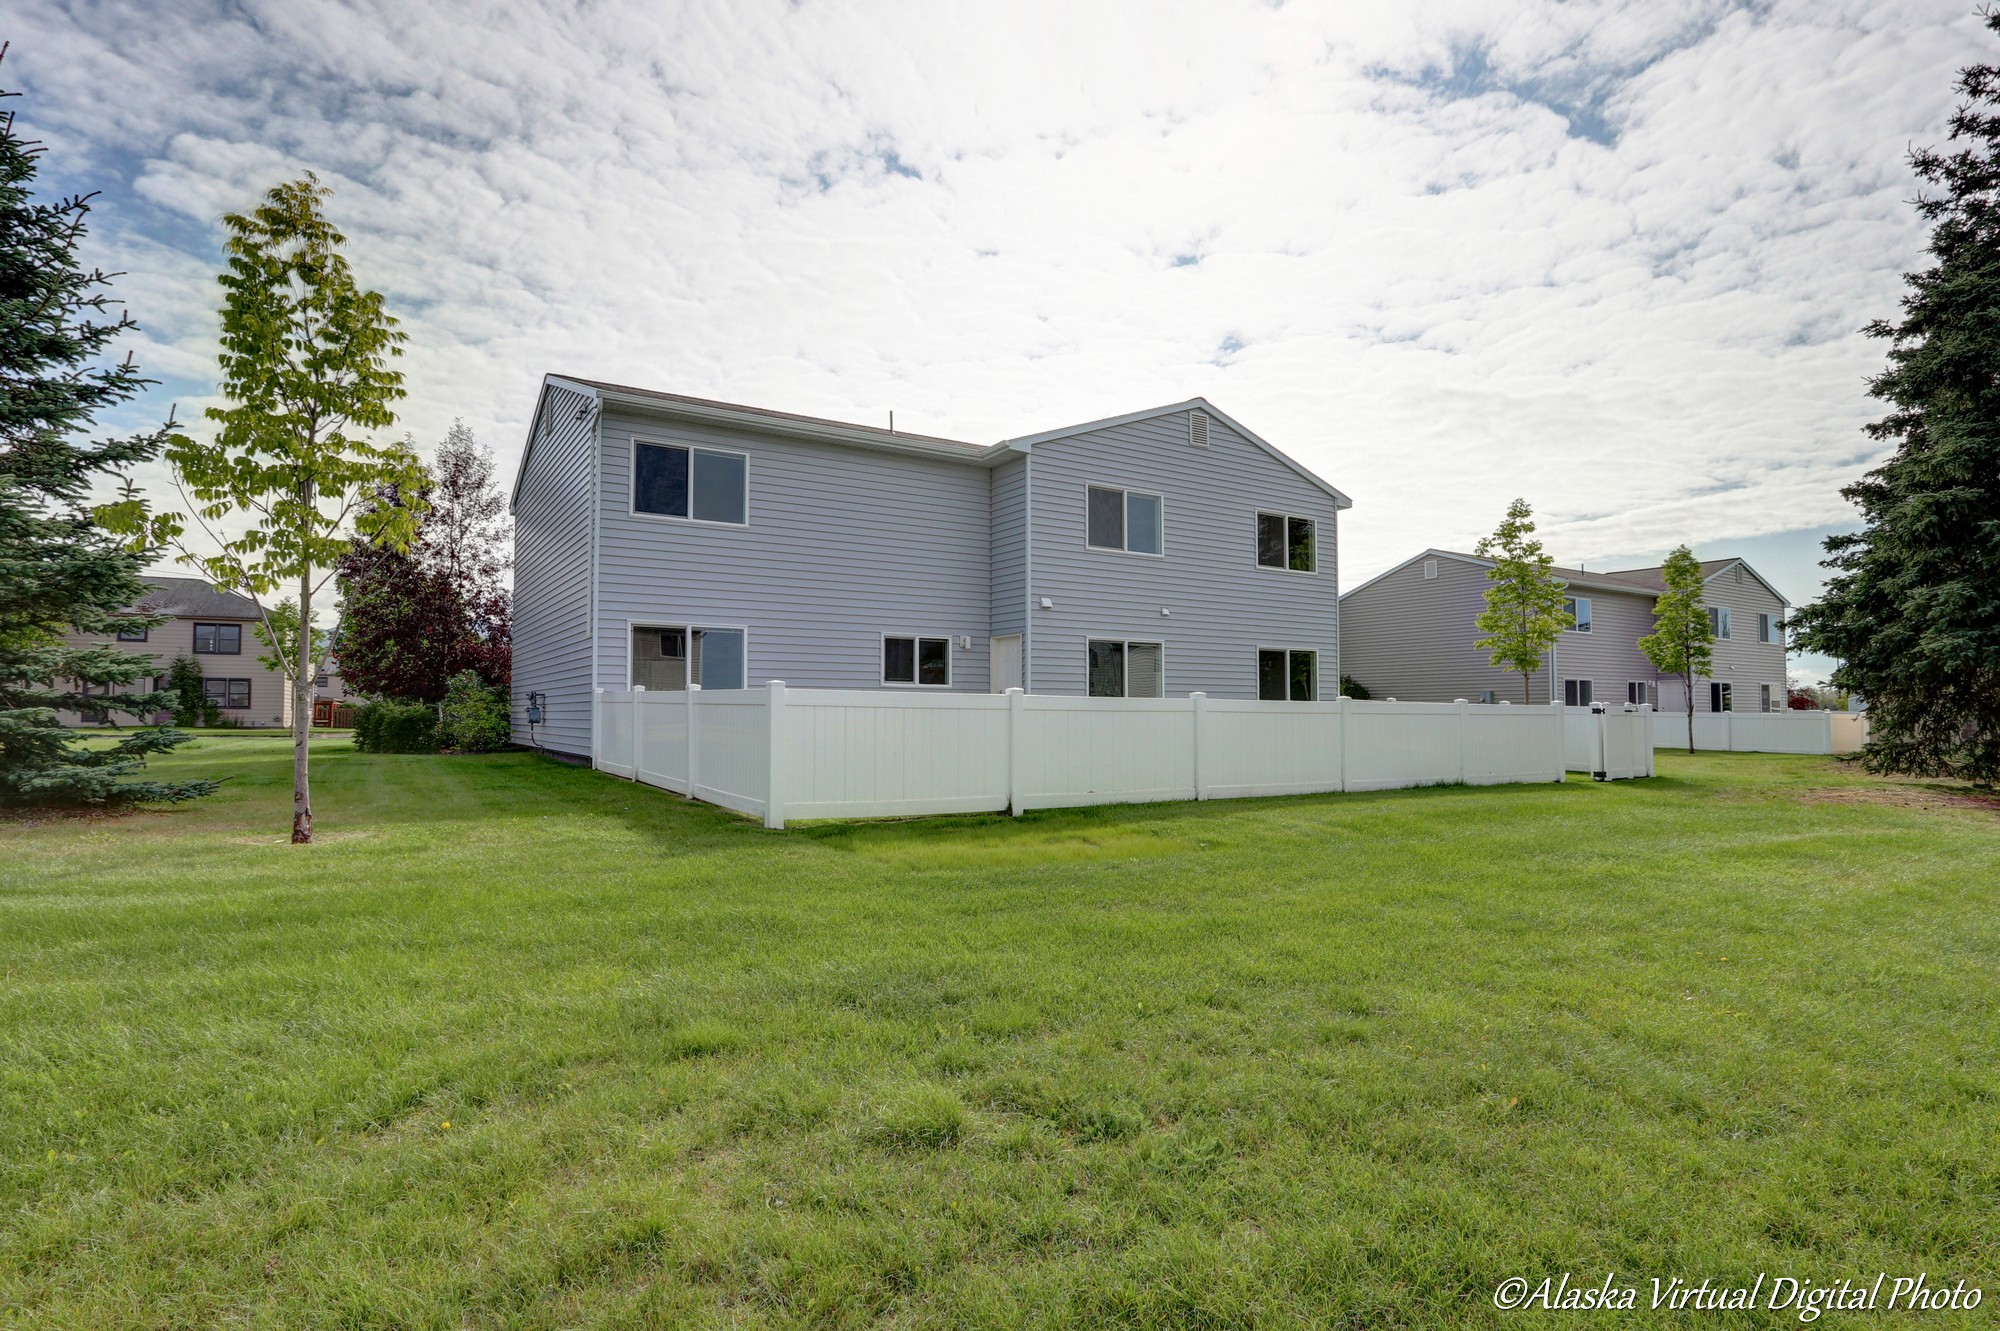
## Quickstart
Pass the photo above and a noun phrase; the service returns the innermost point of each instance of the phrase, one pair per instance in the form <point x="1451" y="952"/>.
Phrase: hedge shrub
<point x="390" y="726"/>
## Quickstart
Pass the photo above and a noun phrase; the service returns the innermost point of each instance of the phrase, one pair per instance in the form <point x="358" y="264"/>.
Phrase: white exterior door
<point x="1006" y="659"/>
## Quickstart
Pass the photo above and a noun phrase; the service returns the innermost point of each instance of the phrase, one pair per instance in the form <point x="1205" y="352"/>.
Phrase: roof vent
<point x="1739" y="572"/>
<point x="1198" y="428"/>
<point x="1430" y="568"/>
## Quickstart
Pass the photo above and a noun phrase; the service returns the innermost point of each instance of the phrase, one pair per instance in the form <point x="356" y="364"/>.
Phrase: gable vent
<point x="1430" y="568"/>
<point x="1739" y="572"/>
<point x="1198" y="428"/>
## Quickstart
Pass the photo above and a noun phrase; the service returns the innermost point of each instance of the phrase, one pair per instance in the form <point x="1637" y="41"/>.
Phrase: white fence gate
<point x="1763" y="732"/>
<point x="1610" y="743"/>
<point x="831" y="753"/>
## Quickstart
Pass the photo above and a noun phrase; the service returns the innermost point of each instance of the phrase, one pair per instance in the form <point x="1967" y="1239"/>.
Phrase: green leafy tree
<point x="1524" y="612"/>
<point x="58" y="572"/>
<point x="279" y="632"/>
<point x="306" y="371"/>
<point x="190" y="701"/>
<point x="1912" y="609"/>
<point x="1681" y="642"/>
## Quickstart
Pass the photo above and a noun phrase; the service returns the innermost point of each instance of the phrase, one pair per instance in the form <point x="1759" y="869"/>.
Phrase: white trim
<point x="1398" y="568"/>
<point x="950" y="641"/>
<point x="635" y="442"/>
<point x="1127" y="549"/>
<point x="1319" y="678"/>
<point x="1286" y="567"/>
<point x="1215" y="413"/>
<point x="690" y="625"/>
<point x="1126" y="640"/>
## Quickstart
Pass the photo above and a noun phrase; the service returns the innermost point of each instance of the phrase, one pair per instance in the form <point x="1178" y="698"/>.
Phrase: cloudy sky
<point x="1610" y="257"/>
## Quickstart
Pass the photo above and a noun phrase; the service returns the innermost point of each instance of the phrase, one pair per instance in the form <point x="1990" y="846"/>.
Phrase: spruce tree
<point x="59" y="573"/>
<point x="1912" y="611"/>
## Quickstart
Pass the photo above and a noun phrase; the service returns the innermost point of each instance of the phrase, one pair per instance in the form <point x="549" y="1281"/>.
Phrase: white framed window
<point x="695" y="484"/>
<point x="1430" y="569"/>
<point x="1766" y="629"/>
<point x="1576" y="693"/>
<point x="916" y="659"/>
<point x="1718" y="621"/>
<point x="1638" y="693"/>
<point x="1123" y="668"/>
<point x="1721" y="698"/>
<point x="1128" y="520"/>
<point x="1764" y="698"/>
<point x="1287" y="542"/>
<point x="1287" y="674"/>
<point x="1578" y="609"/>
<point x="665" y="657"/>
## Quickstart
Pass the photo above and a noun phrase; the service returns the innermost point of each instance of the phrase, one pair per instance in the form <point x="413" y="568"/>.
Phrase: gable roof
<point x="1711" y="569"/>
<point x="708" y="411"/>
<point x="1643" y="581"/>
<point x="194" y="598"/>
<point x="1026" y="443"/>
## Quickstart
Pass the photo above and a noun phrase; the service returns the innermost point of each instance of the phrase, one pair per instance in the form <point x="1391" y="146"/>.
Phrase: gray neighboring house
<point x="1409" y="633"/>
<point x="662" y="539"/>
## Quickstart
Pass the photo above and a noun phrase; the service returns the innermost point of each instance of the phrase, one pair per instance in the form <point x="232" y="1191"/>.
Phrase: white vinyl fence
<point x="1763" y="732"/>
<point x="829" y="753"/>
<point x="1611" y="743"/>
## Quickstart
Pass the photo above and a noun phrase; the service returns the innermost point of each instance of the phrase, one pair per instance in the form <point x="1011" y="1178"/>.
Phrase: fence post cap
<point x="638" y="688"/>
<point x="694" y="688"/>
<point x="1197" y="694"/>
<point x="1458" y="700"/>
<point x="1017" y="689"/>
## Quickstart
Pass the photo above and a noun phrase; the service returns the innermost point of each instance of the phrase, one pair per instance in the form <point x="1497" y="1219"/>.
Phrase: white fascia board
<point x="759" y="423"/>
<point x="535" y="428"/>
<point x="1744" y="564"/>
<point x="1028" y="441"/>
<point x="1424" y="554"/>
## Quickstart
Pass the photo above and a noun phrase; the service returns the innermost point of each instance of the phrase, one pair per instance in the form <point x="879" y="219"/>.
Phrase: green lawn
<point x="522" y="1045"/>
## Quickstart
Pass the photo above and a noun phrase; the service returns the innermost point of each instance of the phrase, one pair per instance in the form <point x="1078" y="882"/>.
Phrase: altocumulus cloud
<point x="1609" y="256"/>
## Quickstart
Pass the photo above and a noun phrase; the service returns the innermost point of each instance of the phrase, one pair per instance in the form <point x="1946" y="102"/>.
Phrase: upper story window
<point x="1766" y="629"/>
<point x="702" y="484"/>
<point x="218" y="639"/>
<point x="1718" y="623"/>
<point x="1126" y="520"/>
<point x="1578" y="609"/>
<point x="908" y="659"/>
<point x="1286" y="542"/>
<point x="131" y="635"/>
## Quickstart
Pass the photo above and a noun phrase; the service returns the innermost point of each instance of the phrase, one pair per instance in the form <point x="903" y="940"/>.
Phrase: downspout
<point x="596" y="441"/>
<point x="1027" y="569"/>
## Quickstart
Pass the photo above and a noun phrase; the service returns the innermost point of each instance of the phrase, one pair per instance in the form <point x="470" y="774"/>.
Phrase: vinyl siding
<point x="270" y="695"/>
<point x="1741" y="660"/>
<point x="1608" y="656"/>
<point x="1010" y="545"/>
<point x="843" y="545"/>
<point x="1224" y="607"/>
<point x="1408" y="637"/>
<point x="552" y="568"/>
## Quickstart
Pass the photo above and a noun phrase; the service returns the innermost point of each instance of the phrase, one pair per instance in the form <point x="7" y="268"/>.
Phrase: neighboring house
<point x="1409" y="634"/>
<point x="215" y="629"/>
<point x="662" y="539"/>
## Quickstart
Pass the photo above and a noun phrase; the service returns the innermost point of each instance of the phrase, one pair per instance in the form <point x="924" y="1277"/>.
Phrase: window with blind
<point x="1121" y="668"/>
<point x="672" y="656"/>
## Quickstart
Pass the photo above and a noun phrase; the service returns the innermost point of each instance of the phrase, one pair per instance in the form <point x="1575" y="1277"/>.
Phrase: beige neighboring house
<point x="1409" y="634"/>
<point x="215" y="629"/>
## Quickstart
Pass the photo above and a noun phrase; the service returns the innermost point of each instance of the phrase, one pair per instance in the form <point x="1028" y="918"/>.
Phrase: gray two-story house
<point x="1409" y="633"/>
<point x="663" y="540"/>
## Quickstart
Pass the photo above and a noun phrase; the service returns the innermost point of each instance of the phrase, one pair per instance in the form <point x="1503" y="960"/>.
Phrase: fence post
<point x="693" y="692"/>
<point x="774" y="717"/>
<point x="596" y="727"/>
<point x="1464" y="734"/>
<point x="1729" y="729"/>
<point x="1199" y="701"/>
<point x="638" y="729"/>
<point x="1017" y="706"/>
<point x="1562" y="737"/>
<point x="1346" y="705"/>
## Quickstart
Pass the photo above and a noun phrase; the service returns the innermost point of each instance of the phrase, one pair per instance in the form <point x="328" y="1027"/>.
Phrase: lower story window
<point x="673" y="656"/>
<point x="1719" y="699"/>
<point x="1124" y="669"/>
<point x="1764" y="698"/>
<point x="1576" y="692"/>
<point x="1284" y="674"/>
<point x="914" y="660"/>
<point x="1487" y="696"/>
<point x="232" y="694"/>
<point x="1638" y="693"/>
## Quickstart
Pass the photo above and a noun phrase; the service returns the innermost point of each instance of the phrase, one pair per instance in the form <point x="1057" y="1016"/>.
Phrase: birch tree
<point x="276" y="495"/>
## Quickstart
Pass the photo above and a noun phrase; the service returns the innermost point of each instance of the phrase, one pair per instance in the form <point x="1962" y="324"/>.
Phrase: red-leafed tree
<point x="411" y="620"/>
